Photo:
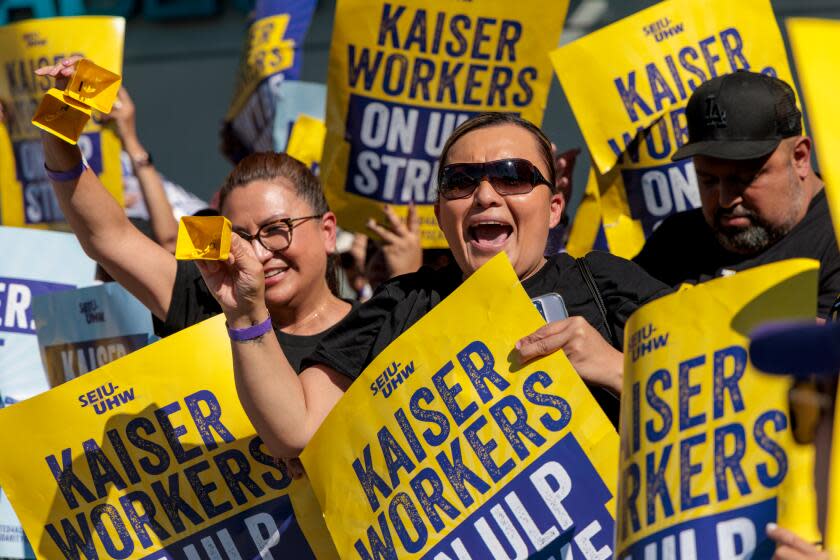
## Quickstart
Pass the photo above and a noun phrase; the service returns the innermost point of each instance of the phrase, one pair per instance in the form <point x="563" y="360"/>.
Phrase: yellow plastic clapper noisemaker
<point x="203" y="238"/>
<point x="62" y="116"/>
<point x="94" y="86"/>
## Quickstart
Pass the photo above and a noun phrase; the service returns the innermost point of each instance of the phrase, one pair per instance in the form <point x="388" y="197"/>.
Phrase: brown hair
<point x="268" y="166"/>
<point x="485" y="120"/>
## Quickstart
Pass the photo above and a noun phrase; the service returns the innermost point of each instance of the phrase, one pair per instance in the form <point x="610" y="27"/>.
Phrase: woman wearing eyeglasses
<point x="273" y="201"/>
<point x="496" y="193"/>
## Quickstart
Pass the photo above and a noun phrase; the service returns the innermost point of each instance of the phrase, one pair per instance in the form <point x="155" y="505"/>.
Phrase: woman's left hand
<point x="790" y="546"/>
<point x="593" y="358"/>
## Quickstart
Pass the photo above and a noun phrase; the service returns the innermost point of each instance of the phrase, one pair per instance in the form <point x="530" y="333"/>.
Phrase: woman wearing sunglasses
<point x="275" y="204"/>
<point x="496" y="193"/>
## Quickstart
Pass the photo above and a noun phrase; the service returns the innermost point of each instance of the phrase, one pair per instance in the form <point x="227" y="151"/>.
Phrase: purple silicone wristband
<point x="250" y="333"/>
<point x="71" y="175"/>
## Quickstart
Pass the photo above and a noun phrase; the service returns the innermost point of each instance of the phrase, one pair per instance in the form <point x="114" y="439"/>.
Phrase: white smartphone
<point x="551" y="307"/>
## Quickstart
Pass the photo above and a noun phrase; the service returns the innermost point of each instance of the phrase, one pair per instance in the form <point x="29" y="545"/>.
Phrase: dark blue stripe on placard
<point x="654" y="193"/>
<point x="271" y="527"/>
<point x="725" y="535"/>
<point x="394" y="149"/>
<point x="500" y="522"/>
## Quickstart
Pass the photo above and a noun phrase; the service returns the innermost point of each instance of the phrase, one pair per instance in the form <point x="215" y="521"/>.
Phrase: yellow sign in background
<point x="587" y="221"/>
<point x="26" y="197"/>
<point x="628" y="85"/>
<point x="707" y="454"/>
<point x="153" y="452"/>
<point x="306" y="141"/>
<point x="458" y="444"/>
<point x="817" y="60"/>
<point x="403" y="76"/>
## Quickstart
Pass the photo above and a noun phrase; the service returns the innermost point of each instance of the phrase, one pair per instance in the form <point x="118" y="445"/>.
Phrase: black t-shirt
<point x="684" y="249"/>
<point x="401" y="302"/>
<point x="192" y="303"/>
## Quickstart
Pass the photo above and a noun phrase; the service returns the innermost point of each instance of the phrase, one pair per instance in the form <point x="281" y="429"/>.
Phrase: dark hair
<point x="268" y="166"/>
<point x="485" y="120"/>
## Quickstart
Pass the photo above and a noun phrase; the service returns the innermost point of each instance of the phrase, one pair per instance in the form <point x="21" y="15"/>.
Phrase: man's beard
<point x="759" y="234"/>
<point x="746" y="240"/>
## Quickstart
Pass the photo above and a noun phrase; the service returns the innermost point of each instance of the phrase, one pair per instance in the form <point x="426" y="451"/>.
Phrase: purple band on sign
<point x="250" y="333"/>
<point x="71" y="175"/>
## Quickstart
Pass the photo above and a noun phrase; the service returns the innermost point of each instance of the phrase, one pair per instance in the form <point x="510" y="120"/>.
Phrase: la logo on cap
<point x="715" y="116"/>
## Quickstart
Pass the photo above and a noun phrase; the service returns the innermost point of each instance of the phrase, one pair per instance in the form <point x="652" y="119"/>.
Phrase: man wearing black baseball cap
<point x="761" y="200"/>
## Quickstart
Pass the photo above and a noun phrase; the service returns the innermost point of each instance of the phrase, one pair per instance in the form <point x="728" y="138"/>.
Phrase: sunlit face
<point x="291" y="274"/>
<point x="485" y="223"/>
<point x="751" y="204"/>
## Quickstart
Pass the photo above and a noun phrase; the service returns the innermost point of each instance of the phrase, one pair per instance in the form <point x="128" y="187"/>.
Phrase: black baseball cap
<point x="743" y="115"/>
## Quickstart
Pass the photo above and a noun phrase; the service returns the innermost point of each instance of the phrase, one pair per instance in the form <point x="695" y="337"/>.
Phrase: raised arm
<point x="161" y="218"/>
<point x="142" y="266"/>
<point x="285" y="408"/>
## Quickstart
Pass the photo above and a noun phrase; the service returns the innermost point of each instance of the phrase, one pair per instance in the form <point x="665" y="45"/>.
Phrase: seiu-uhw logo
<point x="391" y="378"/>
<point x="34" y="39"/>
<point x="662" y="29"/>
<point x="106" y="397"/>
<point x="90" y="309"/>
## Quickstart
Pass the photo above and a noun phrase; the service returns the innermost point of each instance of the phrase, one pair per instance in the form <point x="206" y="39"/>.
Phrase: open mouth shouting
<point x="488" y="235"/>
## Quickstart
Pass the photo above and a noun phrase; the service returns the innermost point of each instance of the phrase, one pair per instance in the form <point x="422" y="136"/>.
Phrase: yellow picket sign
<point x="707" y="455"/>
<point x="152" y="456"/>
<point x="26" y="197"/>
<point x="628" y="85"/>
<point x="403" y="76"/>
<point x="587" y="220"/>
<point x="816" y="65"/>
<point x="832" y="524"/>
<point x="459" y="449"/>
<point x="306" y="141"/>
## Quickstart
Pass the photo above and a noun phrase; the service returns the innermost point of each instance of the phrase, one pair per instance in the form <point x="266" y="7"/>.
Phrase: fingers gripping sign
<point x="790" y="546"/>
<point x="593" y="357"/>
<point x="237" y="284"/>
<point x="293" y="467"/>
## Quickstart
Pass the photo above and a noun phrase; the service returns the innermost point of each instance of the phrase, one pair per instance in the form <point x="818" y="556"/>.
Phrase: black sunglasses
<point x="507" y="177"/>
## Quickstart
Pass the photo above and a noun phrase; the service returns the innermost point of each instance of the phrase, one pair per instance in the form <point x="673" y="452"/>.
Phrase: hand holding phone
<point x="551" y="307"/>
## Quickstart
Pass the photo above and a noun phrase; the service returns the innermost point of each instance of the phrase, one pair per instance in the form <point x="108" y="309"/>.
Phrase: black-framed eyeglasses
<point x="507" y="176"/>
<point x="277" y="235"/>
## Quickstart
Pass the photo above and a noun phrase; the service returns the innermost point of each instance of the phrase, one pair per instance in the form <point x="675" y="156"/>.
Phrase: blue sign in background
<point x="254" y="125"/>
<point x="654" y="193"/>
<point x="39" y="202"/>
<point x="80" y="330"/>
<point x="34" y="263"/>
<point x="394" y="149"/>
